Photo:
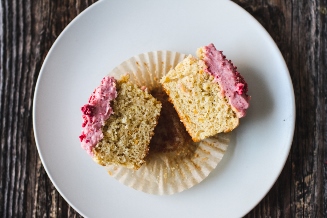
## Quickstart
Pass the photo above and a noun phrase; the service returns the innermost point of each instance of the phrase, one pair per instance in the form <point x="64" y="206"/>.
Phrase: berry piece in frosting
<point x="88" y="110"/>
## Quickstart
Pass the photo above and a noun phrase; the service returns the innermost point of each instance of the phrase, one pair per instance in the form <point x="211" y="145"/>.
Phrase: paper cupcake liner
<point x="174" y="163"/>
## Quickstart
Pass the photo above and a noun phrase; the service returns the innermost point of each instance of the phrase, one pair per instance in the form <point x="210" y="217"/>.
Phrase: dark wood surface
<point x="29" y="27"/>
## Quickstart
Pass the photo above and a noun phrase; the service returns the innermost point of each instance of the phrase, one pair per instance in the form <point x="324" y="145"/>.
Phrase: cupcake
<point x="175" y="162"/>
<point x="208" y="93"/>
<point x="118" y="123"/>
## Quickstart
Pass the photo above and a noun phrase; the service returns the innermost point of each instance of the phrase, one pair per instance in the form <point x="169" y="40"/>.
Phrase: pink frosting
<point x="231" y="82"/>
<point x="96" y="112"/>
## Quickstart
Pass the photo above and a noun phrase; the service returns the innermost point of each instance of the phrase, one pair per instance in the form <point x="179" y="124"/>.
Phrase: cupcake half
<point x="208" y="93"/>
<point x="118" y="123"/>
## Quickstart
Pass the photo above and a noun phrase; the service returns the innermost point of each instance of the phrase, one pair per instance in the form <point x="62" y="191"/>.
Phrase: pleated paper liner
<point x="174" y="163"/>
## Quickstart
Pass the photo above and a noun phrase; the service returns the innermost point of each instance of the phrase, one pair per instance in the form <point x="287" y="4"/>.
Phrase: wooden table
<point x="28" y="29"/>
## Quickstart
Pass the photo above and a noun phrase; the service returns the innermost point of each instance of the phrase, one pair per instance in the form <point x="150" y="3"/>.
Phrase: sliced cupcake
<point x="208" y="93"/>
<point x="118" y="123"/>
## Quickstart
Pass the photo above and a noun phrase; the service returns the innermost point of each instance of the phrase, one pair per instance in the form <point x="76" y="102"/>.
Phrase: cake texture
<point x="127" y="129"/>
<point x="208" y="93"/>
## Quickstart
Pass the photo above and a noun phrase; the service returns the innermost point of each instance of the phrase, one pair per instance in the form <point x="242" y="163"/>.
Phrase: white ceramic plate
<point x="110" y="32"/>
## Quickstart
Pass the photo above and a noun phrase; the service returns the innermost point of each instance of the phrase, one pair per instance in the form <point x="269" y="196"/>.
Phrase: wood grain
<point x="29" y="28"/>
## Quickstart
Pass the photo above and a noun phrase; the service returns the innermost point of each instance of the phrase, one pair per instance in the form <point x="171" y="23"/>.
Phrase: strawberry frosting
<point x="232" y="84"/>
<point x="96" y="112"/>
